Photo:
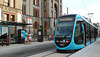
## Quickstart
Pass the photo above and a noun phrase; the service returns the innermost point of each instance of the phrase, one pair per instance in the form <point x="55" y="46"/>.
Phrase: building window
<point x="6" y="2"/>
<point x="52" y="3"/>
<point x="6" y="16"/>
<point x="35" y="12"/>
<point x="24" y="9"/>
<point x="45" y="14"/>
<point x="60" y="8"/>
<point x="35" y="25"/>
<point x="12" y="18"/>
<point x="13" y="3"/>
<point x="9" y="17"/>
<point x="45" y="3"/>
<point x="33" y="2"/>
<point x="36" y="2"/>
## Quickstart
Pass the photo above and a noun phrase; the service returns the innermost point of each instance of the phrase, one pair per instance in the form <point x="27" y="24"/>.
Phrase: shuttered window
<point x="34" y="2"/>
<point x="37" y="2"/>
<point x="35" y="12"/>
<point x="24" y="9"/>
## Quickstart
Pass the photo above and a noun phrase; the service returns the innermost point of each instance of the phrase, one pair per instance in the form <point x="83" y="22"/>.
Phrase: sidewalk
<point x="13" y="42"/>
<point x="92" y="50"/>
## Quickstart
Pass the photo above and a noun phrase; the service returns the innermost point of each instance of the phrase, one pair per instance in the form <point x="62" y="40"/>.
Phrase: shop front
<point x="12" y="29"/>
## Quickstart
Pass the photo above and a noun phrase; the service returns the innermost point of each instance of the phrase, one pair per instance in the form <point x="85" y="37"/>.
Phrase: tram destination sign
<point x="67" y="19"/>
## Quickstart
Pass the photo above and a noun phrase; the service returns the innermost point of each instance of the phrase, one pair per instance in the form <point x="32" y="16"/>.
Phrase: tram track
<point x="53" y="53"/>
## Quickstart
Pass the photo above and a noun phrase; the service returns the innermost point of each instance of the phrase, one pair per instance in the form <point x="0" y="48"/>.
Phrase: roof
<point x="13" y="23"/>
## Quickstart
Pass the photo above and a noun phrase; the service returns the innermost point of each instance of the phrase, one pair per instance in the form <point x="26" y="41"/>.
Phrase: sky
<point x="83" y="7"/>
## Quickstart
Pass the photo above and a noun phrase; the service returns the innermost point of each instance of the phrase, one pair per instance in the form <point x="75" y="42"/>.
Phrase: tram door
<point x="84" y="34"/>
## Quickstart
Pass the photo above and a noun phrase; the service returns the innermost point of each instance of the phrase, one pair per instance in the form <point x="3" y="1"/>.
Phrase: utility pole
<point x="29" y="15"/>
<point x="67" y="10"/>
<point x="41" y="14"/>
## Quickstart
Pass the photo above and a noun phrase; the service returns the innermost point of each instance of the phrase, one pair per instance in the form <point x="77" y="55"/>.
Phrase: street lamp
<point x="90" y="16"/>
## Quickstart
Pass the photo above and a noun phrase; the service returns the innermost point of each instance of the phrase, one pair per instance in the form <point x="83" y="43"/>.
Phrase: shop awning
<point x="13" y="23"/>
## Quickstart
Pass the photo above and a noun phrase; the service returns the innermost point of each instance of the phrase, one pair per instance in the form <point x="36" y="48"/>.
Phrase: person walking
<point x="6" y="39"/>
<point x="30" y="37"/>
<point x="26" y="37"/>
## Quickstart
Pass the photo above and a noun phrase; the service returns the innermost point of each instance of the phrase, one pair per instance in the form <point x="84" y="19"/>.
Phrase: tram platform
<point x="92" y="50"/>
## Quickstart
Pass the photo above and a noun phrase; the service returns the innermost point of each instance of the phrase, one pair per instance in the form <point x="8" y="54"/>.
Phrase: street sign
<point x="18" y="17"/>
<point x="29" y="20"/>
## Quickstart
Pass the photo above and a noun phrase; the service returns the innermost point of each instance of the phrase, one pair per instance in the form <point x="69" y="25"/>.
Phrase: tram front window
<point x="64" y="29"/>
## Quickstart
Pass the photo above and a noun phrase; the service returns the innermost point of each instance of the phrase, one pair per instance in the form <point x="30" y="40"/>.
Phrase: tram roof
<point x="13" y="23"/>
<point x="78" y="15"/>
<point x="68" y="15"/>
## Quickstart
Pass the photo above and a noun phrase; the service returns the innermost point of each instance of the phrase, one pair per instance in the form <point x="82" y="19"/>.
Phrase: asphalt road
<point x="27" y="51"/>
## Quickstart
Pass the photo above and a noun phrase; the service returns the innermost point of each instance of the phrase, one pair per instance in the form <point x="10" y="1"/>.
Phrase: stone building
<point x="11" y="10"/>
<point x="41" y="12"/>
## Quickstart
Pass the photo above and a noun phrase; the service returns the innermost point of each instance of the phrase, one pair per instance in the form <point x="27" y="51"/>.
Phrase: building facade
<point x="41" y="12"/>
<point x="52" y="9"/>
<point x="11" y="10"/>
<point x="32" y="10"/>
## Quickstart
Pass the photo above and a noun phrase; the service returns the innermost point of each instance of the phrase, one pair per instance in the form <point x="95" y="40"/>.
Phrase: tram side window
<point x="95" y="33"/>
<point x="78" y="34"/>
<point x="77" y="30"/>
<point x="92" y="33"/>
<point x="87" y="32"/>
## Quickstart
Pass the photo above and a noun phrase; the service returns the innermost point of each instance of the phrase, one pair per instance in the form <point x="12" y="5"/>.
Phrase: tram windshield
<point x="64" y="27"/>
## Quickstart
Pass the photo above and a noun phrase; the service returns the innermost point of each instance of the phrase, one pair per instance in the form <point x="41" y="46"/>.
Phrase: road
<point x="27" y="50"/>
<point x="36" y="49"/>
<point x="52" y="53"/>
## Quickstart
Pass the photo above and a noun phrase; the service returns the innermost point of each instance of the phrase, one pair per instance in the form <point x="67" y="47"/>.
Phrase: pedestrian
<point x="26" y="37"/>
<point x="30" y="37"/>
<point x="52" y="36"/>
<point x="5" y="38"/>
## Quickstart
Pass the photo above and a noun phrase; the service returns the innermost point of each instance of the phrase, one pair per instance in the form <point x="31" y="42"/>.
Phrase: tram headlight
<point x="57" y="41"/>
<point x="67" y="41"/>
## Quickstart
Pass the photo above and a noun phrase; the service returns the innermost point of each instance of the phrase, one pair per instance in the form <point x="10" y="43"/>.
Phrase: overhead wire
<point x="66" y="3"/>
<point x="84" y="5"/>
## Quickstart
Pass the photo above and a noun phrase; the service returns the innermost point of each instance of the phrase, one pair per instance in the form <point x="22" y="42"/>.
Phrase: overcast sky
<point x="83" y="7"/>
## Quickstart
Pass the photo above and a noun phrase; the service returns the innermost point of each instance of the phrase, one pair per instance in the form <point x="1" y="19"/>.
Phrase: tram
<point x="73" y="32"/>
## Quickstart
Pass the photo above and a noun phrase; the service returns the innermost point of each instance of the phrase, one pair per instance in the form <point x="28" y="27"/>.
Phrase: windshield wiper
<point x="67" y="34"/>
